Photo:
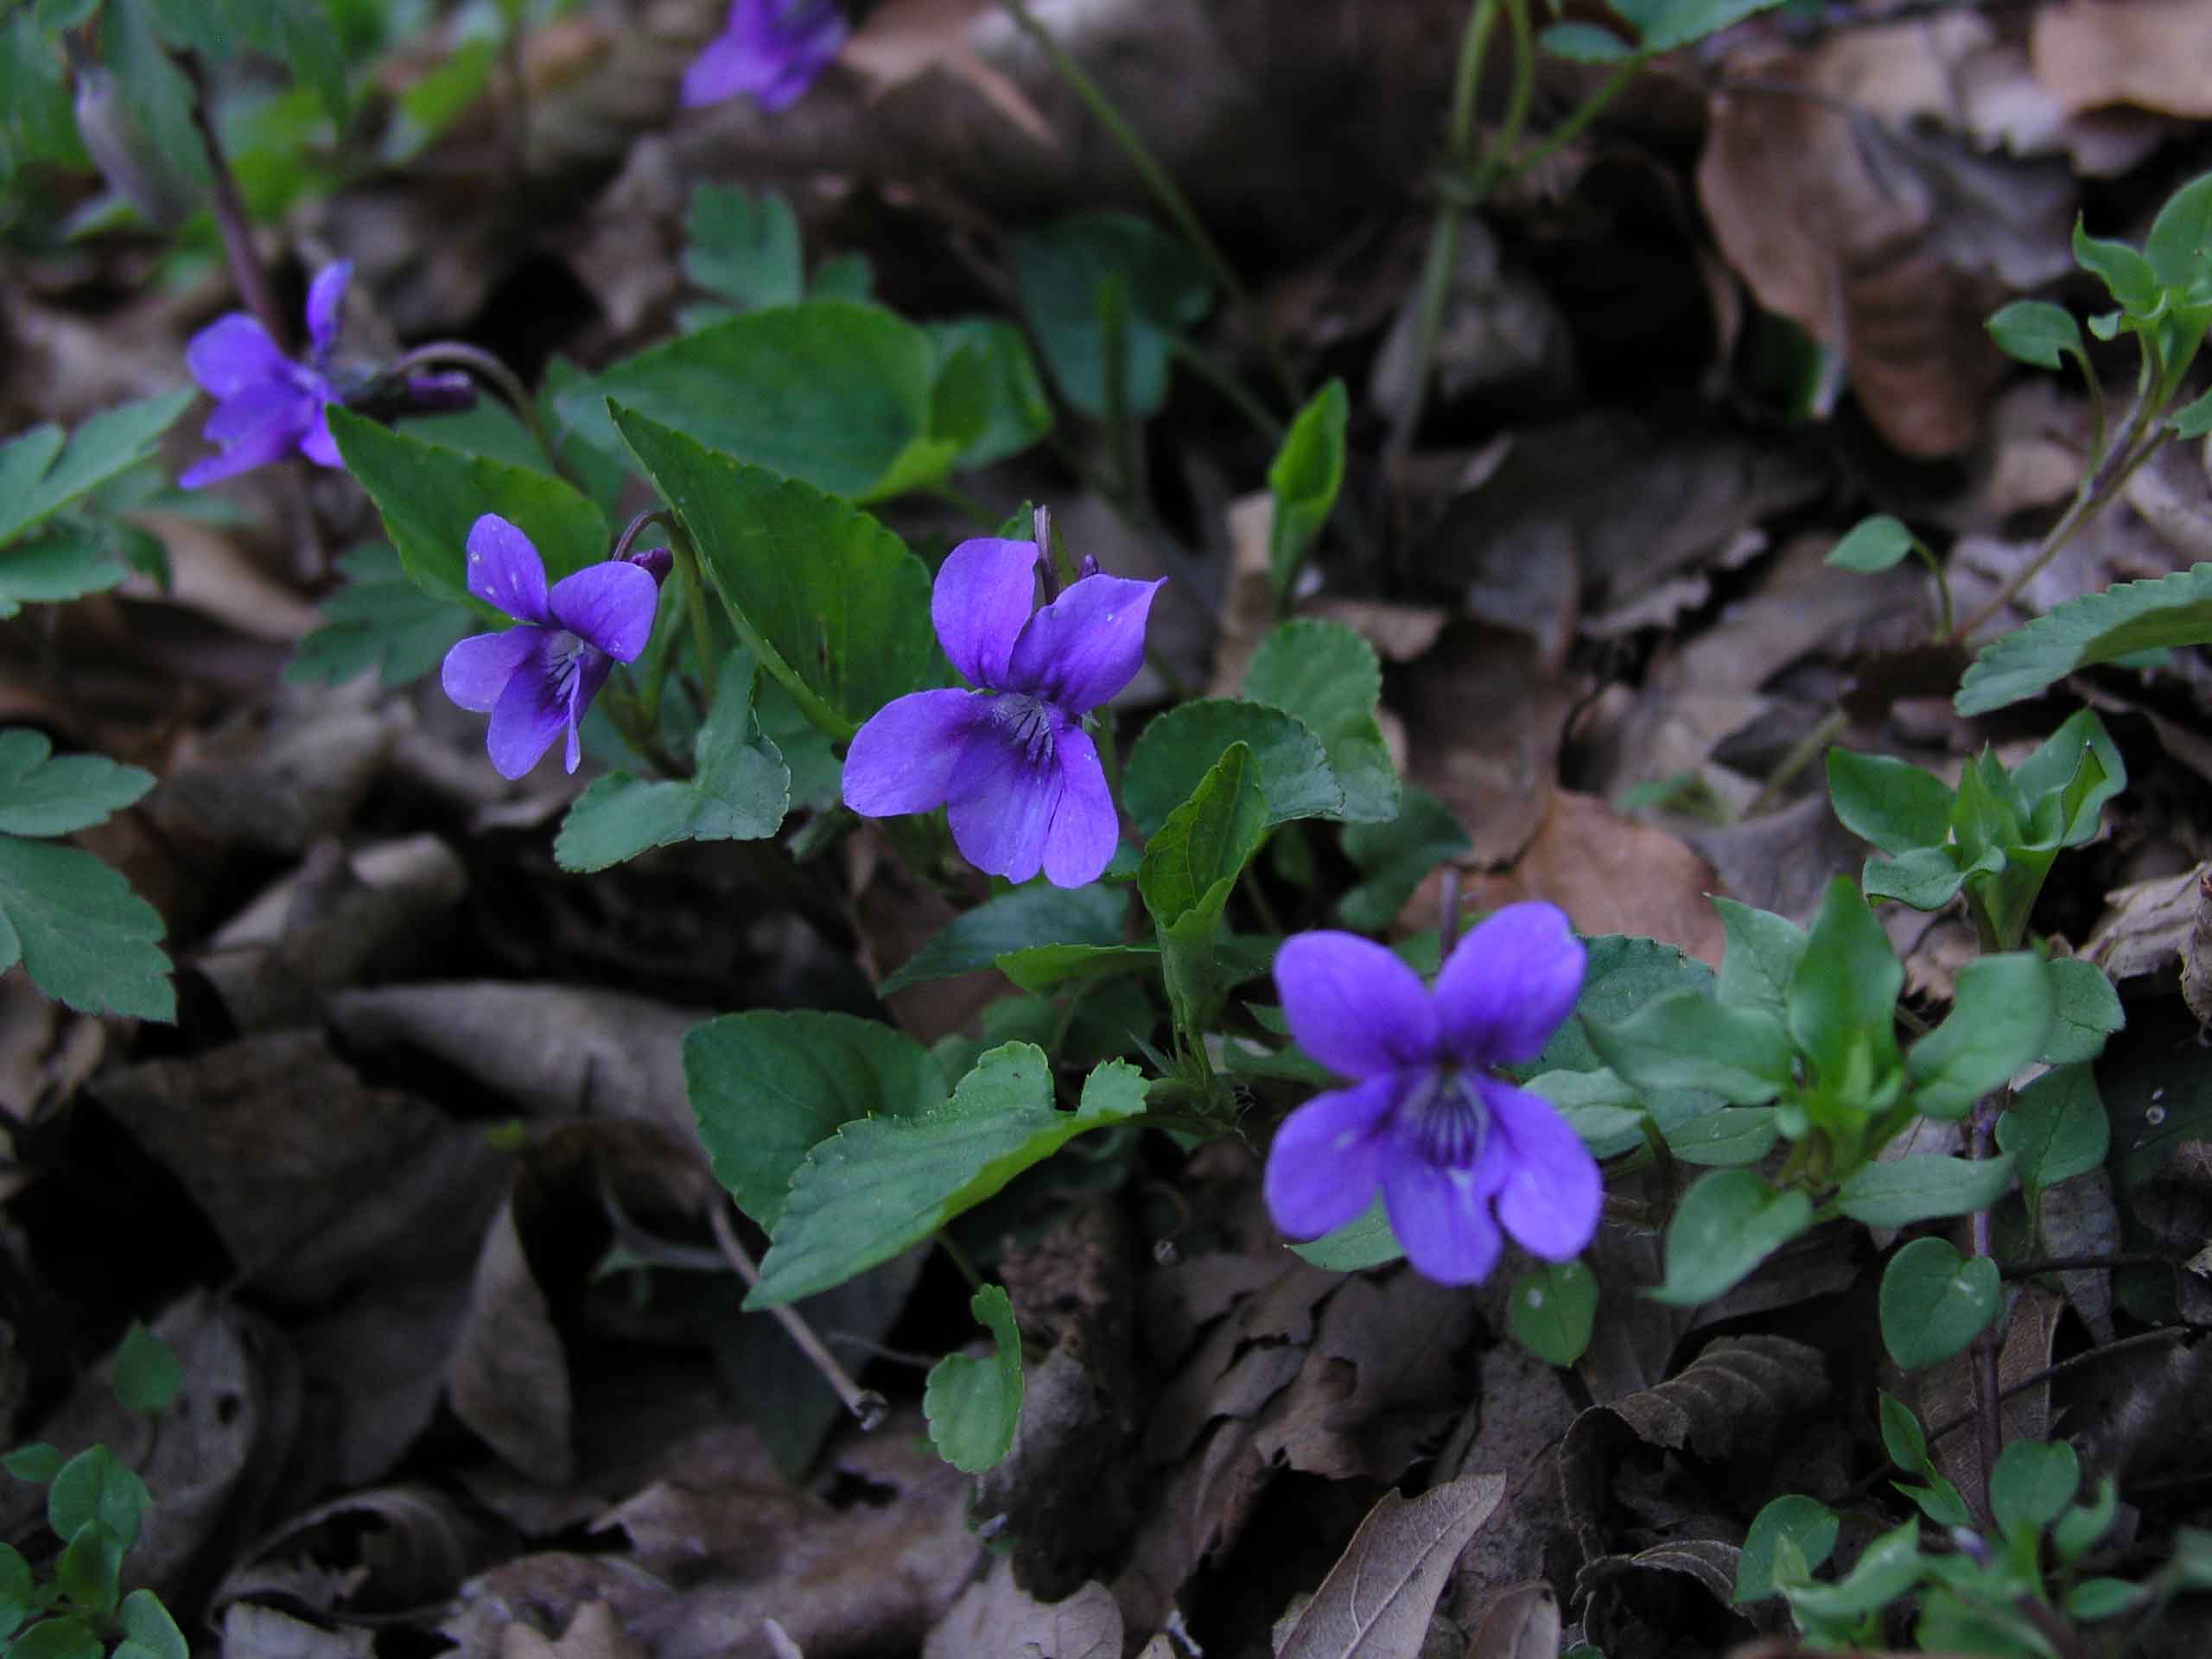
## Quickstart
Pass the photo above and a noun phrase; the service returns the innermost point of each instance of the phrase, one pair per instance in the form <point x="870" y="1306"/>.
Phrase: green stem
<point x="1235" y="392"/>
<point x="959" y="1259"/>
<point x="1801" y="754"/>
<point x="1171" y="198"/>
<point x="1571" y="129"/>
<point x="1444" y="236"/>
<point x="1517" y="99"/>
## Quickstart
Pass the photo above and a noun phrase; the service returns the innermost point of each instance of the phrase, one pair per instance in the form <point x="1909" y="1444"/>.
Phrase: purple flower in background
<point x="538" y="679"/>
<point x="267" y="405"/>
<point x="772" y="49"/>
<point x="1446" y="1142"/>
<point x="1010" y="763"/>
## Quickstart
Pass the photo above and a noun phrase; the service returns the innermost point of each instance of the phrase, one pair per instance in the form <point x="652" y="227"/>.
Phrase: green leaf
<point x="973" y="1405"/>
<point x="1688" y="1040"/>
<point x="1728" y="1222"/>
<point x="1597" y="1106"/>
<point x="882" y="1184"/>
<point x="1889" y="802"/>
<point x="1365" y="1241"/>
<point x="1584" y="43"/>
<point x="1762" y="949"/>
<point x="41" y="796"/>
<point x="1620" y="974"/>
<point x="1734" y="1134"/>
<point x="827" y="599"/>
<point x="832" y="394"/>
<point x="17" y="1592"/>
<point x="146" y="1375"/>
<point x="35" y="1461"/>
<point x="1885" y="1570"/>
<point x="1035" y="914"/>
<point x="1016" y="413"/>
<point x="2133" y="616"/>
<point x="2066" y="781"/>
<point x="2037" y="331"/>
<point x="95" y="1486"/>
<point x="2032" y="1483"/>
<point x="1843" y="996"/>
<point x="1552" y="1309"/>
<point x="1044" y="968"/>
<point x="2193" y="419"/>
<point x="434" y="100"/>
<point x="2127" y="274"/>
<point x="68" y="1638"/>
<point x="1324" y="674"/>
<point x="745" y="249"/>
<point x="2056" y="1126"/>
<point x="2180" y="247"/>
<point x="1393" y="858"/>
<point x="740" y="791"/>
<point x="1872" y="544"/>
<point x="1807" y="1523"/>
<point x="1903" y="1437"/>
<point x="56" y="564"/>
<point x="379" y="619"/>
<point x="2078" y="1530"/>
<point x="1921" y="1187"/>
<point x="1189" y="868"/>
<point x="1180" y="747"/>
<point x="2092" y="1599"/>
<point x="1058" y="273"/>
<point x="843" y="276"/>
<point x="1304" y="478"/>
<point x="86" y="1570"/>
<point x="1927" y="877"/>
<point x="153" y="94"/>
<point x="1935" y="1301"/>
<point x="86" y="939"/>
<point x="765" y="1088"/>
<point x="151" y="1633"/>
<point x="1999" y="1020"/>
<point x="429" y="496"/>
<point x="40" y="473"/>
<point x="1677" y="22"/>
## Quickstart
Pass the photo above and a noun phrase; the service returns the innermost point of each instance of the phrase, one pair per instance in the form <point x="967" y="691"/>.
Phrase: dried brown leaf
<point x="1523" y="1623"/>
<point x="1376" y="1601"/>
<point x="996" y="1619"/>
<point x="2154" y="54"/>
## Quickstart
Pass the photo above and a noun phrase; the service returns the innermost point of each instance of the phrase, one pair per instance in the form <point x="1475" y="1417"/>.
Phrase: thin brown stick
<point x="867" y="1406"/>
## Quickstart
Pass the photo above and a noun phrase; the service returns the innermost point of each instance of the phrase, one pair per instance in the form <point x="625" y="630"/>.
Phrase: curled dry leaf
<point x="2155" y="55"/>
<point x="387" y="1551"/>
<point x="1523" y="1623"/>
<point x="1376" y="1601"/>
<point x="994" y="1619"/>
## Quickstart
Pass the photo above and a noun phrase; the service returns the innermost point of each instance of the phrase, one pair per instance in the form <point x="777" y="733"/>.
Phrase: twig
<point x="2050" y="1373"/>
<point x="1988" y="1398"/>
<point x="866" y="1404"/>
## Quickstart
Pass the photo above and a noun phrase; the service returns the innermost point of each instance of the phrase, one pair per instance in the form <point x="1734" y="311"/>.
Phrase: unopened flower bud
<point x="136" y="167"/>
<point x="656" y="562"/>
<point x="1086" y="566"/>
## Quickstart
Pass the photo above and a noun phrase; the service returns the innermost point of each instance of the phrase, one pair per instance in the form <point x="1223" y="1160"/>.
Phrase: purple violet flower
<point x="1010" y="762"/>
<point x="537" y="679"/>
<point x="266" y="404"/>
<point x="1446" y="1142"/>
<point x="772" y="49"/>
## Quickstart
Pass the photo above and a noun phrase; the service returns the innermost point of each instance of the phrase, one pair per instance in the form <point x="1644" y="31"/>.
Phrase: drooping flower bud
<point x="655" y="561"/>
<point x="161" y="187"/>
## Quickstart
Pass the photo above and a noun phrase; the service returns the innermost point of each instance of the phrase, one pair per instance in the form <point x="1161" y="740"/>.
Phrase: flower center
<point x="1445" y="1117"/>
<point x="1029" y="724"/>
<point x="564" y="660"/>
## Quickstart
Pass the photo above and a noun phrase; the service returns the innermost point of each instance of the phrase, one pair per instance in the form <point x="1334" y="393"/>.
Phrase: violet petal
<point x="724" y="67"/>
<point x="1085" y="829"/>
<point x="477" y="670"/>
<point x="316" y="443"/>
<point x="505" y="571"/>
<point x="611" y="605"/>
<point x="325" y="302"/>
<point x="1086" y="645"/>
<point x="1509" y="985"/>
<point x="233" y="353"/>
<point x="1001" y="805"/>
<point x="982" y="595"/>
<point x="255" y="449"/>
<point x="1322" y="1168"/>
<point x="902" y="759"/>
<point x="530" y="714"/>
<point x="1553" y="1192"/>
<point x="275" y="406"/>
<point x="1352" y="1005"/>
<point x="591" y="674"/>
<point x="1441" y="1220"/>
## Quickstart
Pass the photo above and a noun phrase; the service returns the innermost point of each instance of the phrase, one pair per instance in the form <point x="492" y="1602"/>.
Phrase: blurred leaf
<point x="1874" y="544"/>
<point x="1920" y="1186"/>
<point x="1728" y="1222"/>
<point x="433" y="103"/>
<point x="742" y="247"/>
<point x="85" y="938"/>
<point x="2056" y="1128"/>
<point x="1016" y="412"/>
<point x="1189" y="868"/>
<point x="1304" y="478"/>
<point x="1057" y="273"/>
<point x="1394" y="858"/>
<point x="2133" y="616"/>
<point x="95" y="1485"/>
<point x="1323" y="673"/>
<point x="1035" y="914"/>
<point x="1807" y="1523"/>
<point x="146" y="1375"/>
<point x="149" y="1630"/>
<point x="379" y="619"/>
<point x="1552" y="1309"/>
<point x="1180" y="747"/>
<point x="2031" y="1484"/>
<point x="40" y="473"/>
